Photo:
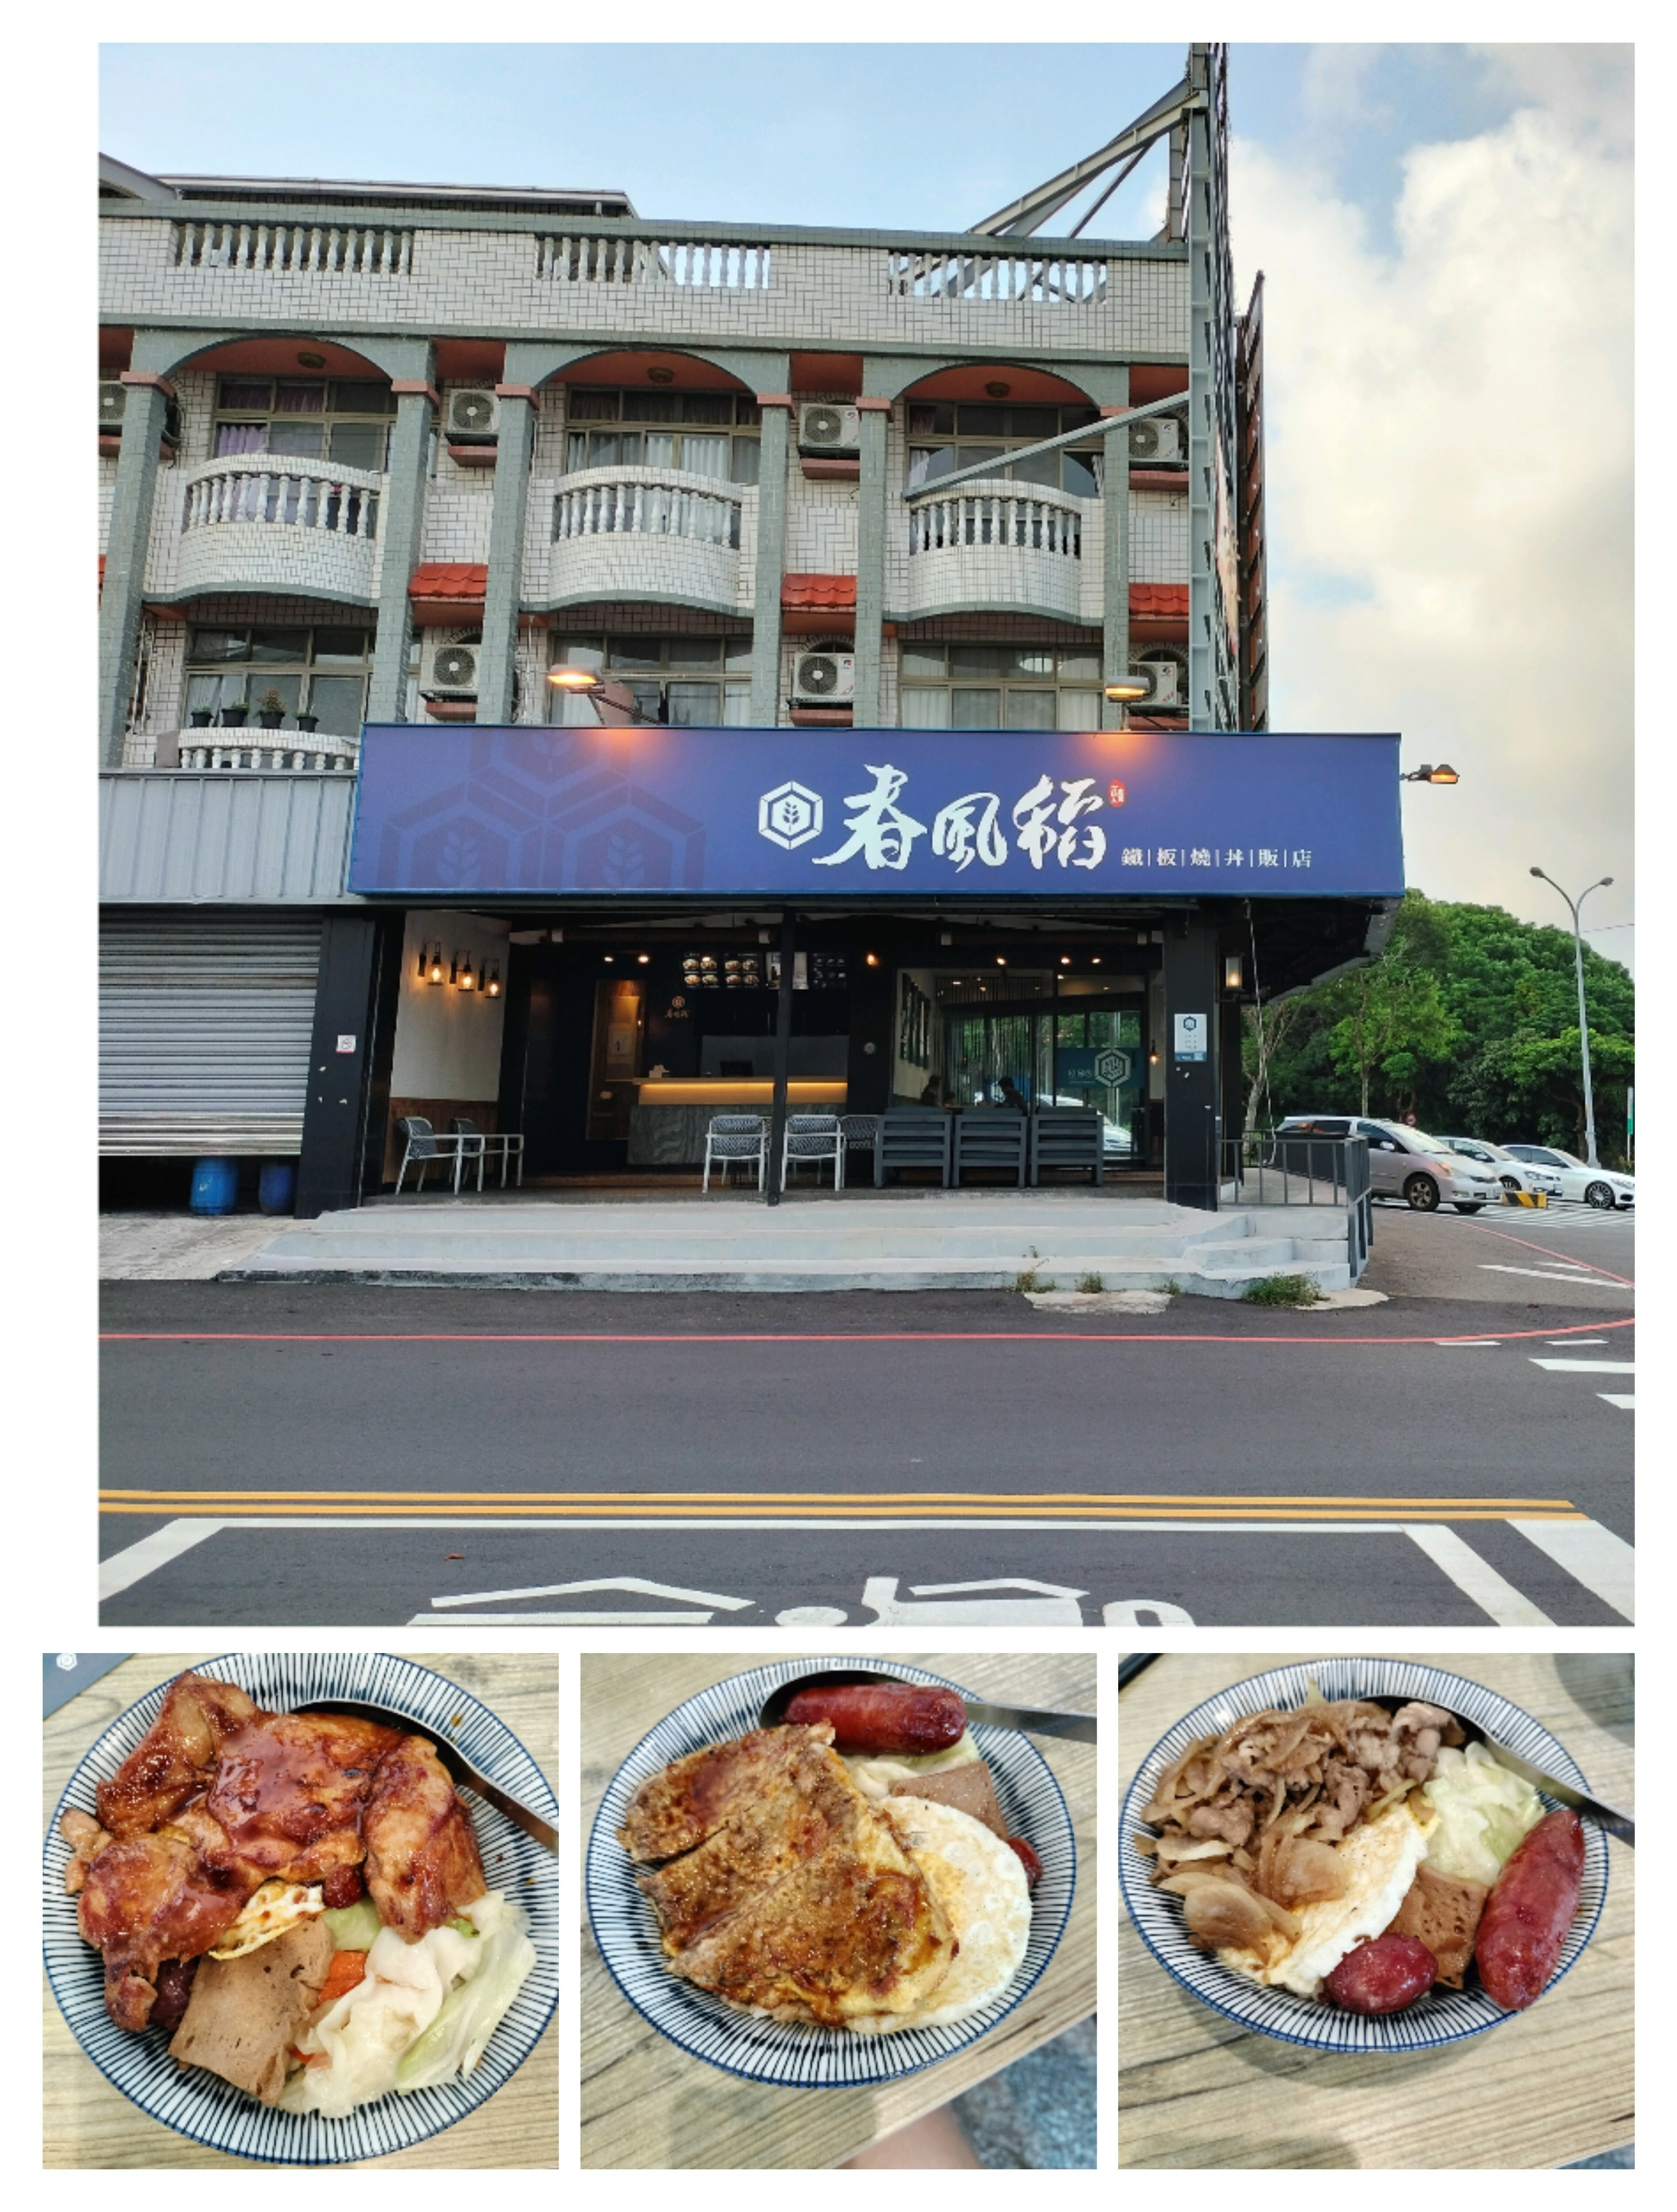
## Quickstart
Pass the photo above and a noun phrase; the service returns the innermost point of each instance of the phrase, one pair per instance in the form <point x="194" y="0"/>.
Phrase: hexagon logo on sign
<point x="789" y="815"/>
<point x="1112" y="1066"/>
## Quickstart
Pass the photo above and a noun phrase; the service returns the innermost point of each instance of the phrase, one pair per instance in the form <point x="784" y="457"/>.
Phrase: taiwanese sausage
<point x="1383" y="1976"/>
<point x="883" y="1717"/>
<point x="1529" y="1912"/>
<point x="1028" y="1859"/>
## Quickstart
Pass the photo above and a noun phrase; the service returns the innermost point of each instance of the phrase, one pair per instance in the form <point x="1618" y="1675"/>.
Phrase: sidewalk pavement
<point x="178" y="1247"/>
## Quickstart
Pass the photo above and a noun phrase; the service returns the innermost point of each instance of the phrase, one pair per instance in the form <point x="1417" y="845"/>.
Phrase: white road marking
<point x="1592" y="1555"/>
<point x="1053" y="1608"/>
<point x="569" y="1619"/>
<point x="1145" y="1613"/>
<point x="1467" y="1343"/>
<point x="634" y="1583"/>
<point x="1552" y="1274"/>
<point x="1476" y="1578"/>
<point x="1568" y="1343"/>
<point x="125" y="1568"/>
<point x="1584" y="1366"/>
<point x="1627" y="1404"/>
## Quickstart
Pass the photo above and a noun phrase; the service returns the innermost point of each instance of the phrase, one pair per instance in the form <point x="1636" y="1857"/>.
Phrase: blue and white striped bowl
<point x="793" y="2055"/>
<point x="212" y="2112"/>
<point x="1441" y="2016"/>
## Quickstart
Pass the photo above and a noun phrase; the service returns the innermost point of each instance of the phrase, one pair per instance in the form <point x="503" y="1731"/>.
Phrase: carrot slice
<point x="347" y="1971"/>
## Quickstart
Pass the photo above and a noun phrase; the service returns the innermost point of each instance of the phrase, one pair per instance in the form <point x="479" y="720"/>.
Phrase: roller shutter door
<point x="204" y="1031"/>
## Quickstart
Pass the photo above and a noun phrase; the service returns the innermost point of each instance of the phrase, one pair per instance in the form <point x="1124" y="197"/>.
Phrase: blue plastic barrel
<point x="276" y="1186"/>
<point x="215" y="1186"/>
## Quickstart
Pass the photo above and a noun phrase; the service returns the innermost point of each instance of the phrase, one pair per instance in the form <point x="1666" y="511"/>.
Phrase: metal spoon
<point x="1622" y="1825"/>
<point x="1079" y="1727"/>
<point x="459" y="1767"/>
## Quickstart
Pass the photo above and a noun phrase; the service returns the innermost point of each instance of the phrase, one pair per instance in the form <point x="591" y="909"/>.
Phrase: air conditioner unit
<point x="824" y="679"/>
<point x="823" y="429"/>
<point x="454" y="670"/>
<point x="112" y="400"/>
<point x="1159" y="439"/>
<point x="473" y="415"/>
<point x="1164" y="675"/>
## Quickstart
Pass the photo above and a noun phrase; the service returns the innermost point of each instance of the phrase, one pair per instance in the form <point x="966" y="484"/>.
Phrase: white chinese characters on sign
<point x="1046" y="828"/>
<point x="880" y="831"/>
<point x="955" y="838"/>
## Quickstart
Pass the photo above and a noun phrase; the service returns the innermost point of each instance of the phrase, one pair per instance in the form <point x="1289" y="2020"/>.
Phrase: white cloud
<point x="1449" y="484"/>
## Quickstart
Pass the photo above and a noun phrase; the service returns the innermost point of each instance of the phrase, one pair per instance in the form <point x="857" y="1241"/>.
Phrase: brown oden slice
<point x="968" y="1789"/>
<point x="1443" y="1911"/>
<point x="246" y="2013"/>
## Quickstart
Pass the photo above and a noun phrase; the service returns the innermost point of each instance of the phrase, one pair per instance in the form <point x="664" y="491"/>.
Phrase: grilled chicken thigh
<point x="148" y="1898"/>
<point x="421" y="1855"/>
<point x="173" y="1760"/>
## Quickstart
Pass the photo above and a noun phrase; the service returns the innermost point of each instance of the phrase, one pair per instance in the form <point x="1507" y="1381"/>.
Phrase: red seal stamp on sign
<point x="1115" y="794"/>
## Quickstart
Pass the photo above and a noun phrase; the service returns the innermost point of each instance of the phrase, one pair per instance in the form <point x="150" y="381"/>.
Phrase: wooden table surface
<point x="1545" y="2088"/>
<point x="87" y="2122"/>
<point x="645" y="2103"/>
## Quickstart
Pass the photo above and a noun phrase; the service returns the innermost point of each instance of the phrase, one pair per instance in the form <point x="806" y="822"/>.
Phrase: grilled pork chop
<point x="785" y="1890"/>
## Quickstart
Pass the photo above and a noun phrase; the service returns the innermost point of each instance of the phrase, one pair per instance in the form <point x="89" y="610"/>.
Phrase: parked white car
<point x="1511" y="1174"/>
<point x="1603" y="1188"/>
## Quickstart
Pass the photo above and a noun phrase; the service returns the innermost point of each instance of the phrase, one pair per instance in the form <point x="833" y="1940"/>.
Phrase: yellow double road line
<point x="826" y="1505"/>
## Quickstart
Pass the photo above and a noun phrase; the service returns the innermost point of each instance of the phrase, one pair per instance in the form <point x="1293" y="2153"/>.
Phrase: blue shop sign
<point x="796" y="813"/>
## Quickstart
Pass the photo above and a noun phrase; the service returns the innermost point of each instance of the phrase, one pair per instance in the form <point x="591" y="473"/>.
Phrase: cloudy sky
<point x="1445" y="236"/>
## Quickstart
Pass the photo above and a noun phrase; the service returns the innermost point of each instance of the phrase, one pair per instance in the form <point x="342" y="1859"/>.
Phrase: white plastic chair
<point x="736" y="1137"/>
<point x="814" y="1138"/>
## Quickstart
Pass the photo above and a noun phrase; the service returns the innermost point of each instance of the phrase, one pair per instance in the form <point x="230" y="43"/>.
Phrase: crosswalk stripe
<point x="1584" y="1366"/>
<point x="1621" y="1398"/>
<point x="1592" y="1555"/>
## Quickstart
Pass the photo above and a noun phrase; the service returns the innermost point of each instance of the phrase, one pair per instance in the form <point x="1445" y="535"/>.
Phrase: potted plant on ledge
<point x="271" y="710"/>
<point x="309" y="723"/>
<point x="232" y="717"/>
<point x="202" y="717"/>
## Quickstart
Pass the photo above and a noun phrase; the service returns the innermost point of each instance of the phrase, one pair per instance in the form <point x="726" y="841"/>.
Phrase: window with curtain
<point x="691" y="683"/>
<point x="944" y="435"/>
<point x="999" y="686"/>
<point x="346" y="420"/>
<point x="321" y="671"/>
<point x="709" y="434"/>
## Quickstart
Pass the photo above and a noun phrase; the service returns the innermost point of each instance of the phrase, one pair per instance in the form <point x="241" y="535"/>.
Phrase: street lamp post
<point x="1573" y="905"/>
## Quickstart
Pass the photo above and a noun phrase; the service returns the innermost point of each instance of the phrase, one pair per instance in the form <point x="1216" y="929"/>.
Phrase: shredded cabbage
<point x="354" y="1927"/>
<point x="368" y="2033"/>
<point x="1483" y="1811"/>
<point x="455" y="2040"/>
<point x="873" y="1777"/>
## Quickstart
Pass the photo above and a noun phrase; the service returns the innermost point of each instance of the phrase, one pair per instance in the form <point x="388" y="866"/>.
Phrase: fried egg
<point x="277" y="1906"/>
<point x="982" y="1885"/>
<point x="1380" y="1857"/>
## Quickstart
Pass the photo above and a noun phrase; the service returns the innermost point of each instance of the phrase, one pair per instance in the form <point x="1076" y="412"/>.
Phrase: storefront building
<point x="869" y="525"/>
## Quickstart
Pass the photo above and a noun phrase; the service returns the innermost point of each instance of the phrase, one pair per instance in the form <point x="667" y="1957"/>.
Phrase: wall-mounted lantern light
<point x="1126" y="689"/>
<point x="431" y="964"/>
<point x="1233" y="974"/>
<point x="491" y="979"/>
<point x="460" y="975"/>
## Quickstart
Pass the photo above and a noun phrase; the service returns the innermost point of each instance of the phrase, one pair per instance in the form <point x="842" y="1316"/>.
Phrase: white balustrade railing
<point x="1030" y="521"/>
<point x="269" y="751"/>
<point x="643" y="506"/>
<point x="271" y="488"/>
<point x="701" y="264"/>
<point x="1056" y="279"/>
<point x="310" y="248"/>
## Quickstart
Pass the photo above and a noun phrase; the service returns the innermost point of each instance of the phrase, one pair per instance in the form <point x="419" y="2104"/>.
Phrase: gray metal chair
<point x="479" y="1144"/>
<point x="813" y="1138"/>
<point x="736" y="1137"/>
<point x="913" y="1137"/>
<point x="861" y="1134"/>
<point x="1067" y="1137"/>
<point x="992" y="1137"/>
<point x="421" y="1144"/>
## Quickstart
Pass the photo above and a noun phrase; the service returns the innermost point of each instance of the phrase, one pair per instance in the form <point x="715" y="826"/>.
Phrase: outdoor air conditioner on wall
<point x="824" y="679"/>
<point x="473" y="415"/>
<point x="827" y="429"/>
<point x="112" y="400"/>
<point x="1164" y="674"/>
<point x="1159" y="438"/>
<point x="453" y="668"/>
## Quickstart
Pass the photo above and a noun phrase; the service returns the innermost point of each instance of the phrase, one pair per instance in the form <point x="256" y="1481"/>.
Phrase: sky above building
<point x="1445" y="236"/>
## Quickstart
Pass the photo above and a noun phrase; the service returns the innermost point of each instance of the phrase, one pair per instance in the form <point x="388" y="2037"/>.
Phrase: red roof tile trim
<point x="817" y="591"/>
<point x="450" y="580"/>
<point x="1159" y="599"/>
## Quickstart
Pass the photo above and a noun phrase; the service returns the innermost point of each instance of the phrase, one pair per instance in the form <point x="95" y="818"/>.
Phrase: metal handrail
<point x="1285" y="1167"/>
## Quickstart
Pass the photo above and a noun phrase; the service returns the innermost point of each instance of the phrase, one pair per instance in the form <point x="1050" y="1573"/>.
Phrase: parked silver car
<point x="1605" y="1188"/>
<point x="1406" y="1164"/>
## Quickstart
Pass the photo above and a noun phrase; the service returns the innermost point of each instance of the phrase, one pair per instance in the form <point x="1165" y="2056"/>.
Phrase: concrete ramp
<point x="956" y="1240"/>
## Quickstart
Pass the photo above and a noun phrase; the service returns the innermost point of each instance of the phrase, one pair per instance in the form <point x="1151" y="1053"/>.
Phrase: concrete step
<point x="960" y="1240"/>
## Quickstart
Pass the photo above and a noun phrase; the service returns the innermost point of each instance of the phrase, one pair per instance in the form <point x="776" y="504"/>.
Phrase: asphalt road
<point x="289" y="1455"/>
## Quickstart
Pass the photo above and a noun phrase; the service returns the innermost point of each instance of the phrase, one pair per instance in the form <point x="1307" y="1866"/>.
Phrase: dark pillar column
<point x="1234" y="1072"/>
<point x="872" y="1012"/>
<point x="355" y="952"/>
<point x="782" y="1053"/>
<point x="1192" y="1091"/>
